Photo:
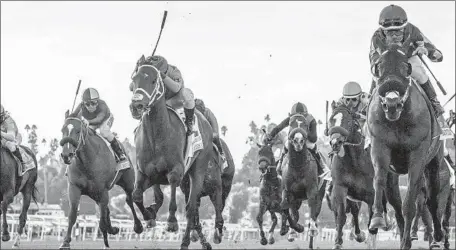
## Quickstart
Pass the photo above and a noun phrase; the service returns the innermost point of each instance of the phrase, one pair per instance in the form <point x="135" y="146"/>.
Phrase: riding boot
<point x="189" y="113"/>
<point x="218" y="143"/>
<point x="323" y="170"/>
<point x="430" y="92"/>
<point x="17" y="153"/>
<point x="118" y="150"/>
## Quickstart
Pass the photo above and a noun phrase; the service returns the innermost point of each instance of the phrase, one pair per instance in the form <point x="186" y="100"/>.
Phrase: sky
<point x="244" y="59"/>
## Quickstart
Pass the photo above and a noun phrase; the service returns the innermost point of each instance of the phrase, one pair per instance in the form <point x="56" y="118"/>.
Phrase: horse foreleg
<point x="8" y="198"/>
<point x="138" y="227"/>
<point x="271" y="239"/>
<point x="287" y="199"/>
<point x="371" y="241"/>
<point x="339" y="195"/>
<point x="283" y="227"/>
<point x="355" y="207"/>
<point x="105" y="222"/>
<point x="314" y="202"/>
<point x="142" y="183"/>
<point x="74" y="195"/>
<point x="433" y="180"/>
<point x="217" y="201"/>
<point x="381" y="160"/>
<point x="27" y="197"/>
<point x="259" y="219"/>
<point x="446" y="220"/>
<point x="393" y="196"/>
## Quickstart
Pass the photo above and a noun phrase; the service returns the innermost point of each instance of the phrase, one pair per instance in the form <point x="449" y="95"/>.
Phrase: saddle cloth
<point x="29" y="163"/>
<point x="194" y="141"/>
<point x="121" y="165"/>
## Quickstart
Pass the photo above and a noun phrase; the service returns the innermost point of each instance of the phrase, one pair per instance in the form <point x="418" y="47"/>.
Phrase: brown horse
<point x="92" y="171"/>
<point x="270" y="193"/>
<point x="161" y="143"/>
<point x="11" y="183"/>
<point x="214" y="181"/>
<point x="353" y="173"/>
<point x="404" y="139"/>
<point x="300" y="182"/>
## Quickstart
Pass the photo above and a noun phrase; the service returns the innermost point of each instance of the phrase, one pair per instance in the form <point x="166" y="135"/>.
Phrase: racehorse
<point x="270" y="193"/>
<point x="213" y="180"/>
<point x="445" y="202"/>
<point x="405" y="139"/>
<point x="353" y="174"/>
<point x="11" y="183"/>
<point x="300" y="182"/>
<point x="92" y="171"/>
<point x="161" y="143"/>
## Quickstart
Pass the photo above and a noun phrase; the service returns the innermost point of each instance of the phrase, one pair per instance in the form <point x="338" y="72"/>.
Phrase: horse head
<point x="393" y="71"/>
<point x="343" y="128"/>
<point x="266" y="159"/>
<point x="297" y="138"/>
<point x="147" y="88"/>
<point x="74" y="132"/>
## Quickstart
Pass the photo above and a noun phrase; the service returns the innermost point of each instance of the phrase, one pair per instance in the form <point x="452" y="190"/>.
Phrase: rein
<point x="82" y="136"/>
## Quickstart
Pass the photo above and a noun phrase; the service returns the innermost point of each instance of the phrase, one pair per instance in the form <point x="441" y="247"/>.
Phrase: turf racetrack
<point x="250" y="244"/>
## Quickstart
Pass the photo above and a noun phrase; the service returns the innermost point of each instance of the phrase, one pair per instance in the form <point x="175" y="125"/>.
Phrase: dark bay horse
<point x="270" y="193"/>
<point x="353" y="174"/>
<point x="92" y="171"/>
<point x="214" y="180"/>
<point x="300" y="182"/>
<point x="404" y="139"/>
<point x="445" y="200"/>
<point x="160" y="147"/>
<point x="11" y="183"/>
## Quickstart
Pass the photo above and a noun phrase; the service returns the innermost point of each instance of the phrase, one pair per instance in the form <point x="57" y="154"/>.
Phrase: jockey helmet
<point x="90" y="94"/>
<point x="298" y="108"/>
<point x="392" y="17"/>
<point x="351" y="90"/>
<point x="159" y="62"/>
<point x="200" y="105"/>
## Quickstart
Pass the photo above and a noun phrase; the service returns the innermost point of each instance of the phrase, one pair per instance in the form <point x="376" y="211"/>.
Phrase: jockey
<point x="356" y="100"/>
<point x="176" y="94"/>
<point x="394" y="28"/>
<point x="277" y="143"/>
<point x="299" y="109"/>
<point x="9" y="134"/>
<point x="96" y="114"/>
<point x="199" y="104"/>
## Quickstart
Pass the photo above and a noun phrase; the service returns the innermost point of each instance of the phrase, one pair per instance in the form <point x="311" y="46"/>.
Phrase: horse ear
<point x="333" y="104"/>
<point x="67" y="113"/>
<point x="258" y="145"/>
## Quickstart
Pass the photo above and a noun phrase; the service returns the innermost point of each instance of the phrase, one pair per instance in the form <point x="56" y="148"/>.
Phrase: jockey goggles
<point x="91" y="103"/>
<point x="397" y="32"/>
<point x="391" y="24"/>
<point x="353" y="99"/>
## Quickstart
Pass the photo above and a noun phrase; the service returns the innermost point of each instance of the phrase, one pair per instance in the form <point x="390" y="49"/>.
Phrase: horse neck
<point x="88" y="151"/>
<point x="156" y="123"/>
<point x="297" y="158"/>
<point x="354" y="152"/>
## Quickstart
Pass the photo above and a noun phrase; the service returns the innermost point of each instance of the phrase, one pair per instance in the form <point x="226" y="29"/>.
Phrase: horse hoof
<point x="337" y="246"/>
<point x="284" y="230"/>
<point x="299" y="228"/>
<point x="6" y="237"/>
<point x="151" y="223"/>
<point x="377" y="222"/>
<point x="271" y="240"/>
<point x="291" y="239"/>
<point x="207" y="246"/>
<point x="65" y="246"/>
<point x="263" y="241"/>
<point x="194" y="236"/>
<point x="446" y="246"/>
<point x="435" y="245"/>
<point x="138" y="228"/>
<point x="114" y="231"/>
<point x="313" y="233"/>
<point x="15" y="245"/>
<point x="184" y="247"/>
<point x="217" y="236"/>
<point x="361" y="237"/>
<point x="172" y="227"/>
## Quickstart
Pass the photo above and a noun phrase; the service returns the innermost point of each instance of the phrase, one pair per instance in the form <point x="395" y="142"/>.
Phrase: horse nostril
<point x="140" y="106"/>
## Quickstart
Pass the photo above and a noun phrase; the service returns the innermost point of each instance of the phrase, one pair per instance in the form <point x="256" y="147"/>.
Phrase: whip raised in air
<point x="165" y="14"/>
<point x="77" y="92"/>
<point x="437" y="81"/>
